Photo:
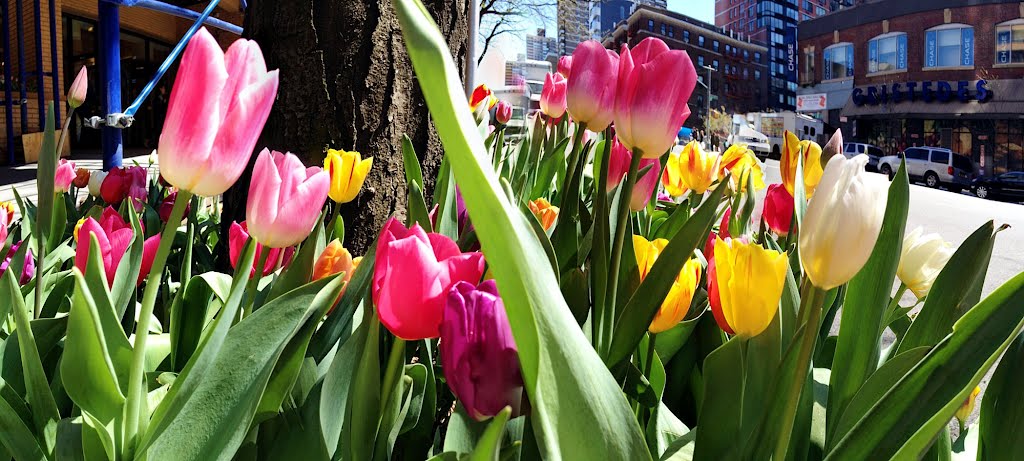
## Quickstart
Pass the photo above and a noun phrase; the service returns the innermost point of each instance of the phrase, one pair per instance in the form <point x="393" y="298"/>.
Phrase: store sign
<point x="1003" y="40"/>
<point x="811" y="102"/>
<point x="791" y="58"/>
<point x="928" y="92"/>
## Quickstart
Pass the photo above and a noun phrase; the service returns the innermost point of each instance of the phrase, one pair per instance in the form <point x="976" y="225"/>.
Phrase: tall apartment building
<point x="774" y="22"/>
<point x="606" y="14"/>
<point x="540" y="45"/>
<point x="573" y="24"/>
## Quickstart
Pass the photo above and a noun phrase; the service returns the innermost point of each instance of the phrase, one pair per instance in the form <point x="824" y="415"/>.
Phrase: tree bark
<point x="346" y="82"/>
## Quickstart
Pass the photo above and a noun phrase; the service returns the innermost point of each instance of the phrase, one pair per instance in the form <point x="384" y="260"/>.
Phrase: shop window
<point x="887" y="53"/>
<point x="838" y="61"/>
<point x="1010" y="42"/>
<point x="949" y="45"/>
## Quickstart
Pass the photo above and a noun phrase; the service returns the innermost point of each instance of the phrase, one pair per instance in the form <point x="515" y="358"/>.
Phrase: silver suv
<point x="853" y="149"/>
<point x="936" y="166"/>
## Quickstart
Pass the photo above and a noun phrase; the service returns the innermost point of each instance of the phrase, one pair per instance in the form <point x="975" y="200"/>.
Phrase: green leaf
<point x="487" y="448"/>
<point x="418" y="430"/>
<point x="214" y="418"/>
<point x="967" y="447"/>
<point x="59" y="222"/>
<point x="463" y="432"/>
<point x="417" y="208"/>
<point x="568" y="384"/>
<point x="364" y="406"/>
<point x="189" y="313"/>
<point x="339" y="322"/>
<point x="69" y="440"/>
<point x="955" y="291"/>
<point x="413" y="173"/>
<point x="300" y="270"/>
<point x="639" y="311"/>
<point x="1002" y="408"/>
<point x="547" y="169"/>
<point x="867" y="293"/>
<point x="447" y="206"/>
<point x="904" y="422"/>
<point x="334" y="394"/>
<point x="46" y="169"/>
<point x="16" y="436"/>
<point x="720" y="412"/>
<point x="127" y="273"/>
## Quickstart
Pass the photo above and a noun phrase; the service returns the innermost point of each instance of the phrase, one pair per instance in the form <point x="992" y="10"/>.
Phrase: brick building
<point x="70" y="33"/>
<point x="739" y="79"/>
<point x="899" y="73"/>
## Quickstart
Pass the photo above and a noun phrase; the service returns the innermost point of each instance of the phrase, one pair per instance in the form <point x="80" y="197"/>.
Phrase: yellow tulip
<point x="677" y="302"/>
<point x="792" y="148"/>
<point x="741" y="162"/>
<point x="967" y="408"/>
<point x="698" y="169"/>
<point x="544" y="211"/>
<point x="749" y="280"/>
<point x="671" y="179"/>
<point x="78" y="226"/>
<point x="348" y="171"/>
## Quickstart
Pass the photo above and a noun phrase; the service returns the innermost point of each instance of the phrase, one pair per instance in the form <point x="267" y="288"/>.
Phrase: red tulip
<point x="590" y="92"/>
<point x="168" y="204"/>
<point x="412" y="273"/>
<point x="124" y="182"/>
<point x="654" y="85"/>
<point x="723" y="231"/>
<point x="552" y="97"/>
<point x="715" y="300"/>
<point x="503" y="112"/>
<point x="276" y="258"/>
<point x="113" y="235"/>
<point x="778" y="209"/>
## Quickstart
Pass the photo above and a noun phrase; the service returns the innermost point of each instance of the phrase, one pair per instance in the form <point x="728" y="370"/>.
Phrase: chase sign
<point x="928" y="92"/>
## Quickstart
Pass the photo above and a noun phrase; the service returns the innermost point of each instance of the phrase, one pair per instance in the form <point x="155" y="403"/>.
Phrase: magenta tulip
<point x="778" y="209"/>
<point x="218" y="106"/>
<point x="590" y="91"/>
<point x="113" y="235"/>
<point x="28" y="267"/>
<point x="276" y="258"/>
<point x="119" y="183"/>
<point x="565" y="65"/>
<point x="552" y="97"/>
<point x="285" y="199"/>
<point x="618" y="166"/>
<point x="503" y="112"/>
<point x="412" y="273"/>
<point x="64" y="175"/>
<point x="654" y="85"/>
<point x="168" y="204"/>
<point x="478" y="352"/>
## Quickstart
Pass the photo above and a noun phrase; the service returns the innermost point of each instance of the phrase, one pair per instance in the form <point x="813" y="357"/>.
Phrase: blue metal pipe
<point x="53" y="62"/>
<point x="109" y="44"/>
<point x="41" y="89"/>
<point x="181" y="13"/>
<point x="8" y="102"/>
<point x="21" y="67"/>
<point x="173" y="56"/>
<point x="244" y="4"/>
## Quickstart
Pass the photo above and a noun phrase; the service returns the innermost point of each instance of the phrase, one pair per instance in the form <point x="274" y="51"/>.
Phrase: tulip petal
<point x="91" y="227"/>
<point x="411" y="300"/>
<point x="149" y="249"/>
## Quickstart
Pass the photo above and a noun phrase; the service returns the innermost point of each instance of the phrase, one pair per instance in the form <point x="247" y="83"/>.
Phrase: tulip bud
<point x="348" y="171"/>
<point x="503" y="112"/>
<point x="698" y="169"/>
<point x="79" y="89"/>
<point x="653" y="87"/>
<point x="119" y="183"/>
<point x="96" y="179"/>
<point x="412" y="274"/>
<point x="677" y="302"/>
<point x="792" y="148"/>
<point x="842" y="222"/>
<point x="6" y="218"/>
<point x="81" y="178"/>
<point x="834" y="146"/>
<point x="778" y="209"/>
<point x="167" y="206"/>
<point x="113" y="235"/>
<point x="565" y="65"/>
<point x="478" y="352"/>
<point x="967" y="408"/>
<point x="482" y="95"/>
<point x="28" y="266"/>
<point x="921" y="260"/>
<point x="590" y="92"/>
<point x="64" y="176"/>
<point x="748" y="281"/>
<point x="552" y="97"/>
<point x="334" y="260"/>
<point x="285" y="199"/>
<point x="545" y="212"/>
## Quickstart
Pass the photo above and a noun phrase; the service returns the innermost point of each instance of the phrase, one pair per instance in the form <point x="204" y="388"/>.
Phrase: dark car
<point x="1007" y="185"/>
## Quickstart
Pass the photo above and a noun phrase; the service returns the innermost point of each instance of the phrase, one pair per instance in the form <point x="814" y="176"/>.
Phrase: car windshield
<point x="963" y="163"/>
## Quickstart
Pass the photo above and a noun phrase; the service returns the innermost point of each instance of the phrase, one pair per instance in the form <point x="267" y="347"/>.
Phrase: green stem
<point x="620" y="236"/>
<point x="334" y="217"/>
<point x="895" y="303"/>
<point x="811" y="298"/>
<point x="650" y="355"/>
<point x="136" y="380"/>
<point x="600" y="249"/>
<point x="40" y="242"/>
<point x="391" y="373"/>
<point x="253" y="284"/>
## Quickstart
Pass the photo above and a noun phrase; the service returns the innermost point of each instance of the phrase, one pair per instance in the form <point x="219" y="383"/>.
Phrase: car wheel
<point x="982" y="192"/>
<point x="886" y="170"/>
<point x="931" y="179"/>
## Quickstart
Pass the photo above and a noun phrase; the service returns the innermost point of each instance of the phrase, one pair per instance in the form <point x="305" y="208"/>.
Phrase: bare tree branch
<point x="499" y="17"/>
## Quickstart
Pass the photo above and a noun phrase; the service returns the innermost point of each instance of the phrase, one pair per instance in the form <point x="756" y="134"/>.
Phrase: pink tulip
<point x="113" y="235"/>
<point x="79" y="89"/>
<point x="503" y="112"/>
<point x="565" y="65"/>
<point x="552" y="97"/>
<point x="590" y="92"/>
<point x="276" y="258"/>
<point x="28" y="267"/>
<point x="285" y="199"/>
<point x="778" y="209"/>
<point x="618" y="166"/>
<point x="217" y="110"/>
<point x="654" y="85"/>
<point x="64" y="176"/>
<point x="412" y="274"/>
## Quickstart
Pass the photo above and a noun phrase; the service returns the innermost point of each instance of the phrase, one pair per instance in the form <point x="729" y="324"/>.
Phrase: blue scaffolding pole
<point x="110" y="65"/>
<point x="54" y="71"/>
<point x="8" y="103"/>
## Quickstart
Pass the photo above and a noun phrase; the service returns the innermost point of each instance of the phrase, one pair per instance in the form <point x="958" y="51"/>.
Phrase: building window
<point x="700" y="61"/>
<point x="757" y="56"/>
<point x="671" y="31"/>
<point x="686" y="36"/>
<point x="664" y="30"/>
<point x="1010" y="42"/>
<point x="838" y="61"/>
<point x="650" y="25"/>
<point x="714" y="45"/>
<point x="949" y="45"/>
<point x="700" y="41"/>
<point x="887" y="53"/>
<point x="808" y="67"/>
<point x="757" y="74"/>
<point x="746" y="55"/>
<point x="727" y="48"/>
<point x="714" y="64"/>
<point x="746" y="73"/>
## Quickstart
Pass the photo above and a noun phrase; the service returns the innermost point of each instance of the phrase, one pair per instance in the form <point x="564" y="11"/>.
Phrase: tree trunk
<point x="346" y="82"/>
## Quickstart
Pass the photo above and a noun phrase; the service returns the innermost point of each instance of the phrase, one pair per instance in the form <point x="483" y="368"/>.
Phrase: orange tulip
<point x="545" y="212"/>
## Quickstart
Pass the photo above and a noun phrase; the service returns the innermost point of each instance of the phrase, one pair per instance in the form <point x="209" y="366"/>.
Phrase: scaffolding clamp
<point x="117" y="120"/>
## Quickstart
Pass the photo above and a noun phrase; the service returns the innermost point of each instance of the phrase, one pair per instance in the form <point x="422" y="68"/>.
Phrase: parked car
<point x="1007" y="185"/>
<point x="852" y="149"/>
<point x="936" y="166"/>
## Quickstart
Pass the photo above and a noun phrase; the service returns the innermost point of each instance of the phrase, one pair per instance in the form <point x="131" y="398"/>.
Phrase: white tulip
<point x="921" y="260"/>
<point x="96" y="181"/>
<point x="842" y="222"/>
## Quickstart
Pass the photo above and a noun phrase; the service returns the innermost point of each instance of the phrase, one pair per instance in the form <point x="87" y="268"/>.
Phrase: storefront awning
<point x="1007" y="101"/>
